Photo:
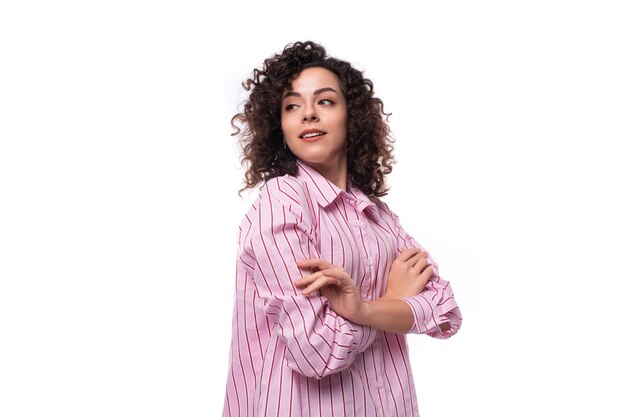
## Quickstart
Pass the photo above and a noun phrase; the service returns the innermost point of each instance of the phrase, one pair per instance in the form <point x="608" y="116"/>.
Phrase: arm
<point x="318" y="341"/>
<point x="339" y="288"/>
<point x="434" y="310"/>
<point x="387" y="314"/>
<point x="409" y="274"/>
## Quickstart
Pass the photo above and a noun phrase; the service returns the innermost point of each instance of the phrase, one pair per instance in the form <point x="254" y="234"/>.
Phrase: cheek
<point x="343" y="122"/>
<point x="285" y="128"/>
<point x="343" y="119"/>
<point x="286" y="123"/>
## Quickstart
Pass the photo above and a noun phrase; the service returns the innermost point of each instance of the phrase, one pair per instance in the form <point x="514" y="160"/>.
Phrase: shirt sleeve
<point x="318" y="341"/>
<point x="435" y="305"/>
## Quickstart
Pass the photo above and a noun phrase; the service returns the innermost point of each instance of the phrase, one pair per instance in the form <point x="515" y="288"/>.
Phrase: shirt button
<point x="359" y="224"/>
<point x="369" y="262"/>
<point x="379" y="383"/>
<point x="426" y="323"/>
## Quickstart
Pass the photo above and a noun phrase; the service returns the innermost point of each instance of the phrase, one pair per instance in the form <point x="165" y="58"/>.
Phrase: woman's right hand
<point x="409" y="273"/>
<point x="335" y="284"/>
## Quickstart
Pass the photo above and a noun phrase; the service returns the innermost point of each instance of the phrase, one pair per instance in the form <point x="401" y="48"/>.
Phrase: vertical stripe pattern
<point x="292" y="355"/>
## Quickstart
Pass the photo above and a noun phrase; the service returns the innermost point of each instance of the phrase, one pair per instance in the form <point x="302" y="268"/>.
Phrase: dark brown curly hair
<point x="369" y="140"/>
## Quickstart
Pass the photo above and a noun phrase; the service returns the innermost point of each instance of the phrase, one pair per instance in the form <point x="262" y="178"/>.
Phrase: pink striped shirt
<point x="292" y="355"/>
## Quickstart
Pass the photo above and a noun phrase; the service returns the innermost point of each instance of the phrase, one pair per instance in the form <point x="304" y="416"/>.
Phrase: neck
<point x="336" y="172"/>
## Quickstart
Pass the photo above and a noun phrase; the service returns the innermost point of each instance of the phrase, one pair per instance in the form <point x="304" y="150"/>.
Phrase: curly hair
<point x="369" y="140"/>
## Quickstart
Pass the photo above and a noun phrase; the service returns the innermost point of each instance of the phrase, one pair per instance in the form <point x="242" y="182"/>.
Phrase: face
<point x="316" y="106"/>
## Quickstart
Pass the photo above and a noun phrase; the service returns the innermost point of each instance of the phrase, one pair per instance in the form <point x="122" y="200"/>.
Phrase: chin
<point x="313" y="159"/>
<point x="317" y="156"/>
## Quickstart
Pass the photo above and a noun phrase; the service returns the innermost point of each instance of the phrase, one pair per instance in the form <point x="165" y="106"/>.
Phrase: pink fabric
<point x="291" y="355"/>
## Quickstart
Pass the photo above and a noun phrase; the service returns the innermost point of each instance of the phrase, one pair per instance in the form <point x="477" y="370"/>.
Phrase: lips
<point x="313" y="139"/>
<point x="304" y="132"/>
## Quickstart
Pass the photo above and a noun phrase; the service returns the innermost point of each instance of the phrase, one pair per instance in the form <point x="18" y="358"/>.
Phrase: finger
<point x="339" y="273"/>
<point x="343" y="279"/>
<point x="415" y="258"/>
<point x="427" y="273"/>
<point x="421" y="264"/>
<point x="314" y="263"/>
<point x="308" y="279"/>
<point x="405" y="254"/>
<point x="321" y="282"/>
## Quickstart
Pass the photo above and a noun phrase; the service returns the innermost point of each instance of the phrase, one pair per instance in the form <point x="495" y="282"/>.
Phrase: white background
<point x="119" y="206"/>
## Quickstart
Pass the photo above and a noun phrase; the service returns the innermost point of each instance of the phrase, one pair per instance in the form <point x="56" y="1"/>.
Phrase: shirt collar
<point x="325" y="192"/>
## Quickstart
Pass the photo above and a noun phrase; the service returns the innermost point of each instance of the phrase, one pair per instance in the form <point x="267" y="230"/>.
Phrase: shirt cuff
<point x="361" y="337"/>
<point x="431" y="309"/>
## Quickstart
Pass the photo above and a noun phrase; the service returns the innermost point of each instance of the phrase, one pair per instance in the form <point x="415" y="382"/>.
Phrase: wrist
<point x="388" y="314"/>
<point x="364" y="314"/>
<point x="388" y="297"/>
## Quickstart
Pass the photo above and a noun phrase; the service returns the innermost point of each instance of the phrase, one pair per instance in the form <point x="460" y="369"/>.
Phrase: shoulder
<point x="285" y="197"/>
<point x="383" y="208"/>
<point x="287" y="190"/>
<point x="281" y="200"/>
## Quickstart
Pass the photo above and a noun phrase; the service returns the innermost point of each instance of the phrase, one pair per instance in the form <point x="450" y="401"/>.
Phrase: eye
<point x="288" y="107"/>
<point x="325" y="99"/>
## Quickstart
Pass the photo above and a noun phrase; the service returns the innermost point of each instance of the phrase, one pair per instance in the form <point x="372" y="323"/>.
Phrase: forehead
<point x="312" y="78"/>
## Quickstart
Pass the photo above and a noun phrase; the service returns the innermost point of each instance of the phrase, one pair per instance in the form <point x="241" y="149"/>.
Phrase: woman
<point x="328" y="283"/>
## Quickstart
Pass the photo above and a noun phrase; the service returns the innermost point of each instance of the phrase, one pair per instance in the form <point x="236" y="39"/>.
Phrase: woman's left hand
<point x="335" y="284"/>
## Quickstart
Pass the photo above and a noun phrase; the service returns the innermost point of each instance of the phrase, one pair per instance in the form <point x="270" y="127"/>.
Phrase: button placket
<point x="369" y="261"/>
<point x="359" y="233"/>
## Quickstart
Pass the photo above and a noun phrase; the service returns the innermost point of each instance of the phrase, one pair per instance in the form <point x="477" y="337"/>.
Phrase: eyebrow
<point x="316" y="92"/>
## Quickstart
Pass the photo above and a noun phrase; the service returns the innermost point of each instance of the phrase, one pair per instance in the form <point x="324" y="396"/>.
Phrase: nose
<point x="309" y="115"/>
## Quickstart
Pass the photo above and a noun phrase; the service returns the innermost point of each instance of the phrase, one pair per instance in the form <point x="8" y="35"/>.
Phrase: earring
<point x="284" y="142"/>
